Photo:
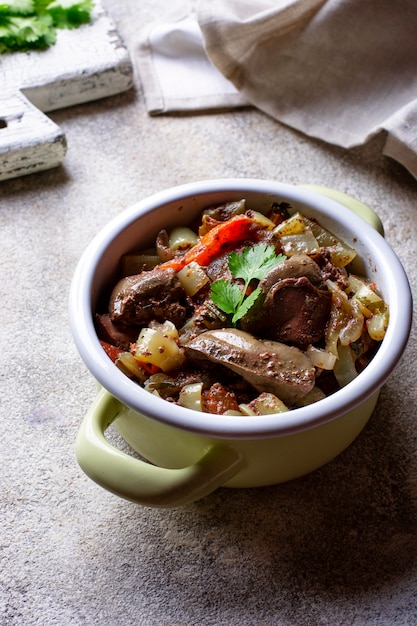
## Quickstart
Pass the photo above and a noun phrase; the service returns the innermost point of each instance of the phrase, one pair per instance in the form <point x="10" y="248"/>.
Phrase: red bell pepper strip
<point x="237" y="228"/>
<point x="111" y="351"/>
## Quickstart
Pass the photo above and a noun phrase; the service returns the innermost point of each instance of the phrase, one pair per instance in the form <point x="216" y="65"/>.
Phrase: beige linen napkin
<point x="175" y="71"/>
<point x="338" y="70"/>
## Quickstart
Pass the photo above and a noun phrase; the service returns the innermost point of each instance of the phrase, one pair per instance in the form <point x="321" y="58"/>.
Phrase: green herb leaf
<point x="252" y="263"/>
<point x="31" y="24"/>
<point x="69" y="14"/>
<point x="245" y="305"/>
<point x="20" y="7"/>
<point x="226" y="295"/>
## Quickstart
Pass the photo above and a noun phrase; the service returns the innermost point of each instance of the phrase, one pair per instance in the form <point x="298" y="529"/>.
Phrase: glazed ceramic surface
<point x="193" y="453"/>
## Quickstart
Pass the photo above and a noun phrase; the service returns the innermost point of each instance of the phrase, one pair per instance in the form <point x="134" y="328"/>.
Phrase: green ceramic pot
<point x="190" y="454"/>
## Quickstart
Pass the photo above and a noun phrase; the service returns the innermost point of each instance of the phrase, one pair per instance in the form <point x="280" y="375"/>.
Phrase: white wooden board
<point x="85" y="64"/>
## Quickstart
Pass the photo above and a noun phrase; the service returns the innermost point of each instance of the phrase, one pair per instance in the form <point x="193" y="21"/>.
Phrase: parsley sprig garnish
<point x="254" y="262"/>
<point x="31" y="24"/>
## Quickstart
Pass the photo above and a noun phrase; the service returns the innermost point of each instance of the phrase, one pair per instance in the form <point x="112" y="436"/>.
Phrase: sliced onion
<point x="311" y="397"/>
<point x="181" y="238"/>
<point x="264" y="404"/>
<point x="192" y="278"/>
<point x="346" y="322"/>
<point x="377" y="325"/>
<point x="294" y="225"/>
<point x="137" y="263"/>
<point x="321" y="358"/>
<point x="127" y="363"/>
<point x="302" y="243"/>
<point x="190" y="396"/>
<point x="344" y="369"/>
<point x="340" y="253"/>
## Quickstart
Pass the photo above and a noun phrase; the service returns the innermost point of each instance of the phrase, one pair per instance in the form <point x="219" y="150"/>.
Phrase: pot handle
<point x="142" y="482"/>
<point x="358" y="207"/>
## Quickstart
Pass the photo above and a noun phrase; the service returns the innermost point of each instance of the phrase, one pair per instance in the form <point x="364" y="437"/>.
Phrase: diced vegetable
<point x="238" y="228"/>
<point x="300" y="243"/>
<point x="312" y="396"/>
<point x="157" y="346"/>
<point x="262" y="220"/>
<point x="218" y="399"/>
<point x="344" y="369"/>
<point x="190" y="396"/>
<point x="181" y="238"/>
<point x="341" y="253"/>
<point x="136" y="263"/>
<point x="295" y="239"/>
<point x="167" y="328"/>
<point x="296" y="236"/>
<point x="245" y="409"/>
<point x="192" y="277"/>
<point x="369" y="301"/>
<point x="372" y="306"/>
<point x="111" y="351"/>
<point x="162" y="384"/>
<point x="265" y="404"/>
<point x="321" y="358"/>
<point x="130" y="366"/>
<point x="223" y="212"/>
<point x="346" y="320"/>
<point x="377" y="325"/>
<point x="294" y="225"/>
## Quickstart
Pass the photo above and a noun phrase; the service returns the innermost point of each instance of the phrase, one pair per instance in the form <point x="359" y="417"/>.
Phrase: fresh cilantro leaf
<point x="32" y="24"/>
<point x="69" y="14"/>
<point x="254" y="262"/>
<point x="25" y="32"/>
<point x="19" y="7"/>
<point x="40" y="5"/>
<point x="245" y="305"/>
<point x="226" y="295"/>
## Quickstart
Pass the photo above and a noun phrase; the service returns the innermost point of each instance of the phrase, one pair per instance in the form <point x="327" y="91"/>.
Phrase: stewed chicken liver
<point x="266" y="365"/>
<point x="153" y="295"/>
<point x="296" y="304"/>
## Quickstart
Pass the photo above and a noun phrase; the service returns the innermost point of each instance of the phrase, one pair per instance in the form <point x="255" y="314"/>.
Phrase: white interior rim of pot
<point x="245" y="427"/>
